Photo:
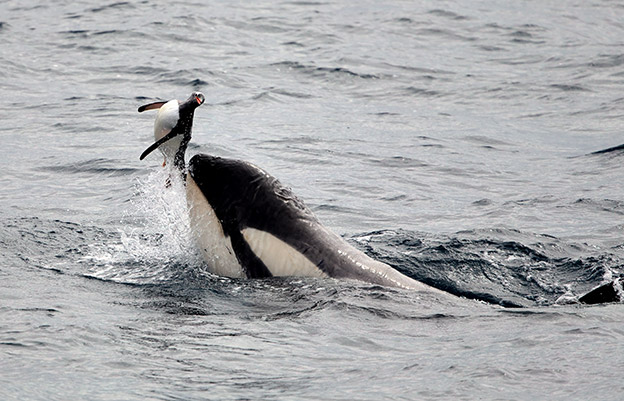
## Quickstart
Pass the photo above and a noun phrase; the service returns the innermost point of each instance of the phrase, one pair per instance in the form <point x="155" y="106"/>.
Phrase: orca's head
<point x="229" y="179"/>
<point x="241" y="193"/>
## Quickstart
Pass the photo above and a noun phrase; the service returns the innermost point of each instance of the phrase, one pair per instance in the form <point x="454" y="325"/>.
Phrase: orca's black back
<point x="242" y="195"/>
<point x="245" y="196"/>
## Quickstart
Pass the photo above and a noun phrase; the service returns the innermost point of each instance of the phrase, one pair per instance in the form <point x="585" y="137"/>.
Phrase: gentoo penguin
<point x="247" y="224"/>
<point x="172" y="128"/>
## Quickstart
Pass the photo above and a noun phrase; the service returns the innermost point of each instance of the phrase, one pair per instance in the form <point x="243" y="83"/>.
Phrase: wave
<point x="505" y="267"/>
<point x="151" y="247"/>
<point x="328" y="72"/>
<point x="98" y="166"/>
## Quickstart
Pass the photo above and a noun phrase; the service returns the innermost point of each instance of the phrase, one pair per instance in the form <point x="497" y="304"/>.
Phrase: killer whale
<point x="267" y="231"/>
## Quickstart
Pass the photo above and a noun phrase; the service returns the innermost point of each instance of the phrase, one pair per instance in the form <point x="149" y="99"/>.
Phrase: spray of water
<point x="154" y="241"/>
<point x="161" y="203"/>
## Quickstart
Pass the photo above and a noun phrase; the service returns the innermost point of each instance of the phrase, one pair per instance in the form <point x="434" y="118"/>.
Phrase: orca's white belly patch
<point x="280" y="258"/>
<point x="206" y="229"/>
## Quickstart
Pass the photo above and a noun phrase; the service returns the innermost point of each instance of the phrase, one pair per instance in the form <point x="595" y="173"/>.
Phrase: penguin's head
<point x="198" y="97"/>
<point x="174" y="120"/>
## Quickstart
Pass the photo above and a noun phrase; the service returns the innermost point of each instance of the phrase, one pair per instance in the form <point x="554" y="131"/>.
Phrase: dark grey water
<point x="452" y="140"/>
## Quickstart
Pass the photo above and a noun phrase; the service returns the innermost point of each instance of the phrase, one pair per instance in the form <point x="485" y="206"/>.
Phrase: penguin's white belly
<point x="215" y="247"/>
<point x="167" y="118"/>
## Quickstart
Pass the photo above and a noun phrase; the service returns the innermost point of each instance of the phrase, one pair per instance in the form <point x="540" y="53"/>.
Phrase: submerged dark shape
<point x="605" y="293"/>
<point x="609" y="150"/>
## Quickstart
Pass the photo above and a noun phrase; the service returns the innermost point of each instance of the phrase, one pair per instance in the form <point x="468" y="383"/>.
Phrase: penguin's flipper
<point x="151" y="106"/>
<point x="155" y="145"/>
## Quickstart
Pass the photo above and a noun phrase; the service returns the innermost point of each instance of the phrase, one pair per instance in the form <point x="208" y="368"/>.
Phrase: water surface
<point x="452" y="140"/>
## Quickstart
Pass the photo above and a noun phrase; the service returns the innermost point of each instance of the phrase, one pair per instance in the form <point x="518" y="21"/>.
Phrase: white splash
<point x="154" y="238"/>
<point x="161" y="204"/>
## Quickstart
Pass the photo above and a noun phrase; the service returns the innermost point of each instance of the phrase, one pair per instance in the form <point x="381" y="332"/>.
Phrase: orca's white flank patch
<point x="215" y="247"/>
<point x="280" y="258"/>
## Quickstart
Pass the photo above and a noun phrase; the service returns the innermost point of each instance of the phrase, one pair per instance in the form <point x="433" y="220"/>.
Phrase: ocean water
<point x="454" y="140"/>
